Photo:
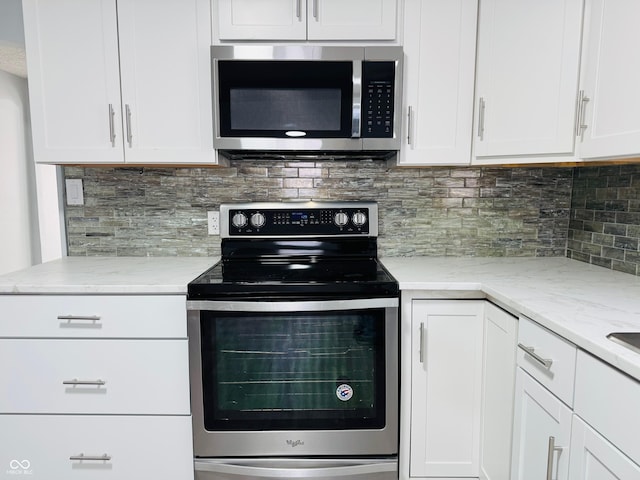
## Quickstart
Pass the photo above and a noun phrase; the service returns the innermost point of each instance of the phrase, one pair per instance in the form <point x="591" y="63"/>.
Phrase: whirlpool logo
<point x="19" y="467"/>
<point x="294" y="443"/>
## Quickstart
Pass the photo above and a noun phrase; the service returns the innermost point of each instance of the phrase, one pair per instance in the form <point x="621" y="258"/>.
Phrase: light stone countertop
<point x="107" y="275"/>
<point x="580" y="302"/>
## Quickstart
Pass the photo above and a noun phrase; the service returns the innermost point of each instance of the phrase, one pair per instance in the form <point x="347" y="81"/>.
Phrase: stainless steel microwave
<point x="308" y="99"/>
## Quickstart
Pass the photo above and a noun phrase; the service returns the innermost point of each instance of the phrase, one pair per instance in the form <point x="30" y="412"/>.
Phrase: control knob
<point x="341" y="219"/>
<point x="359" y="219"/>
<point x="258" y="220"/>
<point x="239" y="220"/>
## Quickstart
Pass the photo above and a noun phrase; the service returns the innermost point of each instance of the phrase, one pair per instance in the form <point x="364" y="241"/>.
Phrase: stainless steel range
<point x="293" y="343"/>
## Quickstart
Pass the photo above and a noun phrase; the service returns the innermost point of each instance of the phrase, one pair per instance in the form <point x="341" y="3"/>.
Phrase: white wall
<point x="31" y="225"/>
<point x="19" y="236"/>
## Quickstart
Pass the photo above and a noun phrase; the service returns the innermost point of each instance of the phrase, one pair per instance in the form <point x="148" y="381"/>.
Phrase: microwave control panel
<point x="377" y="99"/>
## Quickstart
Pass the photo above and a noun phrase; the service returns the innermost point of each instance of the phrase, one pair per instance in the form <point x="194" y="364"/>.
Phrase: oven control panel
<point x="299" y="219"/>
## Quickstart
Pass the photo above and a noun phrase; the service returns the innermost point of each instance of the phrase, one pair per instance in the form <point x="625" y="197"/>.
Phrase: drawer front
<point x="93" y="316"/>
<point x="94" y="376"/>
<point x="50" y="447"/>
<point x="548" y="358"/>
<point x="608" y="400"/>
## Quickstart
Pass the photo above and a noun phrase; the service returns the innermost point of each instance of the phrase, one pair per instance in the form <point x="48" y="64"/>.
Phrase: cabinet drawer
<point x="46" y="446"/>
<point x="106" y="316"/>
<point x="548" y="358"/>
<point x="94" y="376"/>
<point x="608" y="400"/>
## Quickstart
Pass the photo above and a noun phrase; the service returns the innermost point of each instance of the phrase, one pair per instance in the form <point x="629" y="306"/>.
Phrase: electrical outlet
<point x="213" y="222"/>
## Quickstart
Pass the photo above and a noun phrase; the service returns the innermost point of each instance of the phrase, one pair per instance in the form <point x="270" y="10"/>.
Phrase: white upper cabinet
<point x="305" y="19"/>
<point x="261" y="19"/>
<point x="352" y="19"/>
<point x="74" y="83"/>
<point x="609" y="123"/>
<point x="81" y="53"/>
<point x="166" y="80"/>
<point x="527" y="79"/>
<point x="440" y="53"/>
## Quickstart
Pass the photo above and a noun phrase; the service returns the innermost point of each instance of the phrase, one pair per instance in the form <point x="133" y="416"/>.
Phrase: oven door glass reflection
<point x="300" y="370"/>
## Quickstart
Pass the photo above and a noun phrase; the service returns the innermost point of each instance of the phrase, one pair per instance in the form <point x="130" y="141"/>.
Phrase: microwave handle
<point x="356" y="116"/>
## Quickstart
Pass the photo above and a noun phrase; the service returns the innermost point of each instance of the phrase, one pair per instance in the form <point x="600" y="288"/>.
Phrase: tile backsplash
<point x="429" y="211"/>
<point x="605" y="217"/>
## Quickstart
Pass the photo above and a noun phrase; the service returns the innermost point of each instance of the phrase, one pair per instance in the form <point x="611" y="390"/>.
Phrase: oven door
<point x="299" y="378"/>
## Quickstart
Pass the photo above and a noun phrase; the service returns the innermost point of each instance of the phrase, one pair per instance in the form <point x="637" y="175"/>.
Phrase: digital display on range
<point x="299" y="217"/>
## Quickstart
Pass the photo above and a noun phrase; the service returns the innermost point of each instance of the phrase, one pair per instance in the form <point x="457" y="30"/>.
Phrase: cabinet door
<point x="166" y="80"/>
<point x="498" y="381"/>
<point x="539" y="417"/>
<point x="594" y="458"/>
<point x="352" y="19"/>
<point x="261" y="19"/>
<point x="446" y="388"/>
<point x="528" y="62"/>
<point x="440" y="53"/>
<point x="134" y="447"/>
<point x="74" y="82"/>
<point x="610" y="80"/>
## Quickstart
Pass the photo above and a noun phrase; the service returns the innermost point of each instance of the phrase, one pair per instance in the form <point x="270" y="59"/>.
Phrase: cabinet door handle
<point x="315" y="9"/>
<point x="112" y="129"/>
<point x="545" y="362"/>
<point x="409" y="125"/>
<point x="582" y="109"/>
<point x="90" y="318"/>
<point x="550" y="455"/>
<point x="298" y="10"/>
<point x="92" y="458"/>
<point x="129" y="134"/>
<point x="422" y="335"/>
<point x="75" y="381"/>
<point x="481" y="109"/>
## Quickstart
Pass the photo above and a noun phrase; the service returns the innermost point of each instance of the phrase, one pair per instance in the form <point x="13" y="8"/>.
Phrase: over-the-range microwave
<point x="287" y="99"/>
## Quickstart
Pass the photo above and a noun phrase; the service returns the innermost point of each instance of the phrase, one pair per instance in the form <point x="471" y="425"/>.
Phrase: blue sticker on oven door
<point x="344" y="392"/>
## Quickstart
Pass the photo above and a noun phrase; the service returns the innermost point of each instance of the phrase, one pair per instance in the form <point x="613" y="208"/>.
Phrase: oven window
<point x="303" y="370"/>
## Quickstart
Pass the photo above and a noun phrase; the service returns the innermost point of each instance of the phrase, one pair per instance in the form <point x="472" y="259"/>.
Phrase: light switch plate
<point x="75" y="195"/>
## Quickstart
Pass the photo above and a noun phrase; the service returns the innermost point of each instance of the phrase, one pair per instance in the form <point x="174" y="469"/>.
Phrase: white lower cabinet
<point x="57" y="447"/>
<point x="498" y="380"/>
<point x="94" y="387"/>
<point x="541" y="432"/>
<point x="595" y="458"/>
<point x="446" y="375"/>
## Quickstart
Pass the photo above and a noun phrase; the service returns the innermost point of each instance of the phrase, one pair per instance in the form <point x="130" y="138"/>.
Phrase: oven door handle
<point x="281" y="469"/>
<point x="292" y="306"/>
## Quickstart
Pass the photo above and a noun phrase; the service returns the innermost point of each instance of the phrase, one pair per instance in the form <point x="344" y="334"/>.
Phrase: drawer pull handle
<point x="551" y="450"/>
<point x="92" y="458"/>
<point x="75" y="381"/>
<point x="91" y="318"/>
<point x="545" y="362"/>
